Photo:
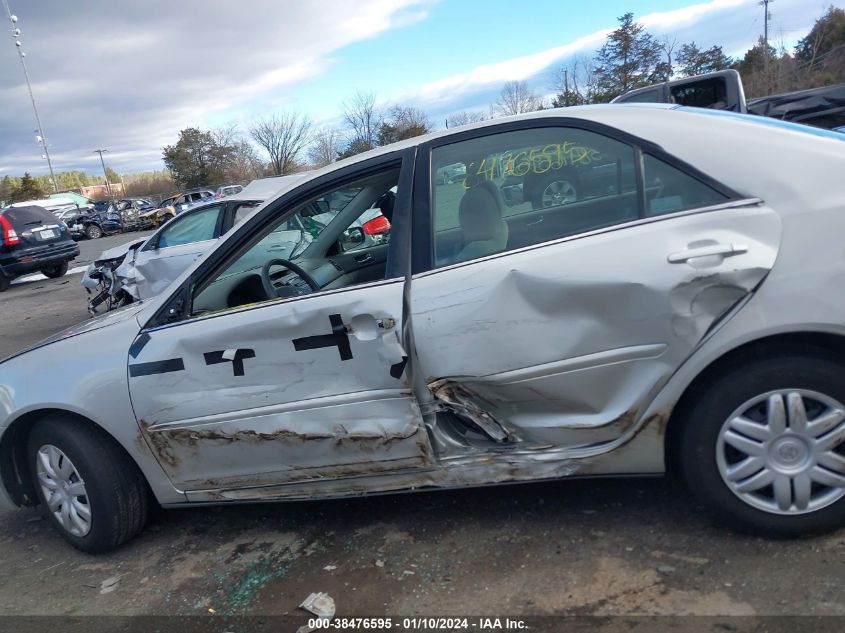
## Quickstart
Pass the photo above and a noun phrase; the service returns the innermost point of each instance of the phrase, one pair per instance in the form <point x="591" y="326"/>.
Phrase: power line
<point x="21" y="55"/>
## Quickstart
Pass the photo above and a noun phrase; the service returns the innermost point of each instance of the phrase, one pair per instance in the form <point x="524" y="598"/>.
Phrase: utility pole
<point x="21" y="55"/>
<point x="766" y="18"/>
<point x="105" y="175"/>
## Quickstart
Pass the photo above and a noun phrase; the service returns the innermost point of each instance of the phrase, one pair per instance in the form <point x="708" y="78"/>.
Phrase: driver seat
<point x="480" y="217"/>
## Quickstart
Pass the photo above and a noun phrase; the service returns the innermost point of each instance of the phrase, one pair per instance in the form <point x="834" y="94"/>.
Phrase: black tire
<point x="566" y="178"/>
<point x="5" y="282"/>
<point x="791" y="367"/>
<point x="93" y="232"/>
<point x="116" y="490"/>
<point x="54" y="272"/>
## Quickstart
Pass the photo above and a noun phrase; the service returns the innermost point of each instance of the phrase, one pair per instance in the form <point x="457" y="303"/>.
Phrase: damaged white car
<point x="666" y="294"/>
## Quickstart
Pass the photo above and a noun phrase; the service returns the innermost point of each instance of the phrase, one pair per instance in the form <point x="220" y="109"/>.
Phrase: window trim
<point x="728" y="204"/>
<point x="422" y="254"/>
<point x="273" y="212"/>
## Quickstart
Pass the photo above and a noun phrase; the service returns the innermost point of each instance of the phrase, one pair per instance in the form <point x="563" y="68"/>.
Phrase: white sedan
<point x="679" y="309"/>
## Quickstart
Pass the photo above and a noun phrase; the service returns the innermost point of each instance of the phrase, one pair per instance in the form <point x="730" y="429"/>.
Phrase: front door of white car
<point x="250" y="401"/>
<point x="560" y="317"/>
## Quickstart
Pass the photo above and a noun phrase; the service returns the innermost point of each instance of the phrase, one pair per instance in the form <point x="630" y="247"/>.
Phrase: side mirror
<point x="351" y="238"/>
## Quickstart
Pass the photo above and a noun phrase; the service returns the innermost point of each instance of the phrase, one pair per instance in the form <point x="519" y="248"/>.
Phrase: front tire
<point x="88" y="487"/>
<point x="94" y="232"/>
<point x="763" y="445"/>
<point x="54" y="272"/>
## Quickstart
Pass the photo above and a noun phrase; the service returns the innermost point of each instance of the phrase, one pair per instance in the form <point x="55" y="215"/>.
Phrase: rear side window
<point x="195" y="227"/>
<point x="514" y="189"/>
<point x="667" y="189"/>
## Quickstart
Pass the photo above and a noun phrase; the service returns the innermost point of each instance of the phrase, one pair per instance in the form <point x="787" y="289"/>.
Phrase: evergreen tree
<point x="630" y="58"/>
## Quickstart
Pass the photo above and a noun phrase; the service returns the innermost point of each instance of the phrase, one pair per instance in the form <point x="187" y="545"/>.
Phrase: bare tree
<point x="283" y="136"/>
<point x="574" y="83"/>
<point x="516" y="98"/>
<point x="403" y="123"/>
<point x="227" y="134"/>
<point x="363" y="118"/>
<point x="325" y="146"/>
<point x="464" y="117"/>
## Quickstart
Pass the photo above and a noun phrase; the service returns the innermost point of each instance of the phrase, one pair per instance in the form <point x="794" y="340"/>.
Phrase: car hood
<point x="119" y="251"/>
<point x="108" y="319"/>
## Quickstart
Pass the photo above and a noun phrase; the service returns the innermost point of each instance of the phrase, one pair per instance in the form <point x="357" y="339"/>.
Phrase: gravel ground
<point x="586" y="547"/>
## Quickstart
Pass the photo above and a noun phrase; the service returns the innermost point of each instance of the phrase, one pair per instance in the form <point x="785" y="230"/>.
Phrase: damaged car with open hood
<point x="677" y="308"/>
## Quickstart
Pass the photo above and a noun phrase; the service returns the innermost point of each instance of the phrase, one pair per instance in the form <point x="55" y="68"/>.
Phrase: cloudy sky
<point x="129" y="75"/>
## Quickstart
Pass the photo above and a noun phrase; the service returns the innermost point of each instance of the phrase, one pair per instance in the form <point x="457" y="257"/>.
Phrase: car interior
<point x="317" y="245"/>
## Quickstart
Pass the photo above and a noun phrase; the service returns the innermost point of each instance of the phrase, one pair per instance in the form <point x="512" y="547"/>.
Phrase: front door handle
<point x="363" y="259"/>
<point x="724" y="250"/>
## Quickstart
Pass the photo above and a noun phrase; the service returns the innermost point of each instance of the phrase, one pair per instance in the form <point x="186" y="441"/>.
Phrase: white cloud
<point x="130" y="76"/>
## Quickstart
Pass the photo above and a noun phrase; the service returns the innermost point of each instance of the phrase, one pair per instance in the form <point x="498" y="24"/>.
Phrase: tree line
<point x="288" y="141"/>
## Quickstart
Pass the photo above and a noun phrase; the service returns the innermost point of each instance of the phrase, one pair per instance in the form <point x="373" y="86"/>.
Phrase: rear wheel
<point x="88" y="488"/>
<point x="94" y="232"/>
<point x="5" y="281"/>
<point x="54" y="272"/>
<point x="764" y="444"/>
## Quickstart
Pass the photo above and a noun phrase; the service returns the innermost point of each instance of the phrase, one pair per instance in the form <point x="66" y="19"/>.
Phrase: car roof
<point x="265" y="188"/>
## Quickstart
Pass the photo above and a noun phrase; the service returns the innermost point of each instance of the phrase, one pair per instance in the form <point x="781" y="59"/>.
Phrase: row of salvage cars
<point x="676" y="306"/>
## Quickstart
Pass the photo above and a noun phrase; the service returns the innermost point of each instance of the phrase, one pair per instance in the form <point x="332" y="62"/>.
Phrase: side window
<point x="647" y="96"/>
<point x="196" y="227"/>
<point x="668" y="189"/>
<point x="313" y="235"/>
<point x="505" y="191"/>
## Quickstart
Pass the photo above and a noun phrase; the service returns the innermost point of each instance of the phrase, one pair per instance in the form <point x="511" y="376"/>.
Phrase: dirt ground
<point x="586" y="547"/>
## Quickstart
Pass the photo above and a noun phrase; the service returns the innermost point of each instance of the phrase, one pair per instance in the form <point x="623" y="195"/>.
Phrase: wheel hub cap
<point x="557" y="193"/>
<point x="784" y="451"/>
<point x="64" y="490"/>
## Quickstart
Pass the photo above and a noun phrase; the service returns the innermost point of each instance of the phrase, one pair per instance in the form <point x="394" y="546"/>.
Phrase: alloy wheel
<point x="784" y="451"/>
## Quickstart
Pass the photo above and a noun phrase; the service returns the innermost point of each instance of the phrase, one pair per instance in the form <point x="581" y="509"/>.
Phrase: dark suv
<point x="33" y="240"/>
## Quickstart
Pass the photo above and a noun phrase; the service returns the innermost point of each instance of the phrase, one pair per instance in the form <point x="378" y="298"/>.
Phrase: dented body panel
<point x="271" y="410"/>
<point x="586" y="330"/>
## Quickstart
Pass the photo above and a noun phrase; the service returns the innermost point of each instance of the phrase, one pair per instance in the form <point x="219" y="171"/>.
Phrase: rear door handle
<point x="725" y="250"/>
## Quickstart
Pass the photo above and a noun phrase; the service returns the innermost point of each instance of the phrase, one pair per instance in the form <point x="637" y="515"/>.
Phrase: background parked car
<point x="174" y="205"/>
<point x="94" y="224"/>
<point x="33" y="239"/>
<point x="228" y="190"/>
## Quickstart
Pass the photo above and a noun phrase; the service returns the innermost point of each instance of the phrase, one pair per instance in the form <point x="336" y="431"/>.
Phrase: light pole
<point x="105" y="175"/>
<point x="21" y="55"/>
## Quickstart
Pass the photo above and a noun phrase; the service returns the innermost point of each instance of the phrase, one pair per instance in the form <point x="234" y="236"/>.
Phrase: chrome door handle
<point x="725" y="250"/>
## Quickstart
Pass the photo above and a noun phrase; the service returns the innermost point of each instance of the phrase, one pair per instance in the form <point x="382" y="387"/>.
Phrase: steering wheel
<point x="272" y="291"/>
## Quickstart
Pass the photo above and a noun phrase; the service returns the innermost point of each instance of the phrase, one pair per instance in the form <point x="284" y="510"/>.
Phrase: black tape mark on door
<point x="214" y="358"/>
<point x="156" y="367"/>
<point x="338" y="338"/>
<point x="139" y="344"/>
